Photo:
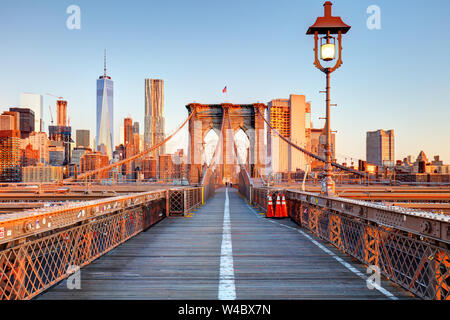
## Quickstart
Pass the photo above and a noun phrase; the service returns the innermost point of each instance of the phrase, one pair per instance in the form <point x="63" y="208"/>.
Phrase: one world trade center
<point x="105" y="109"/>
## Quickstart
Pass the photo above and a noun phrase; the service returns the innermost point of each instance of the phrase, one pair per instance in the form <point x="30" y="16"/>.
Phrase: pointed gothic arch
<point x="211" y="116"/>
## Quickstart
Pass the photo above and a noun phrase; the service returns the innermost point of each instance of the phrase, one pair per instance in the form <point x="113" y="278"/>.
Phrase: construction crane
<point x="50" y="110"/>
<point x="59" y="98"/>
<point x="52" y="95"/>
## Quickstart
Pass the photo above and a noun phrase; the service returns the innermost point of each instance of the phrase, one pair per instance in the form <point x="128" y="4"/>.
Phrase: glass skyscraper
<point x="105" y="114"/>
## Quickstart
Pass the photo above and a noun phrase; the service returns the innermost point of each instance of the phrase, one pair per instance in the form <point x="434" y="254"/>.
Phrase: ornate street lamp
<point x="328" y="26"/>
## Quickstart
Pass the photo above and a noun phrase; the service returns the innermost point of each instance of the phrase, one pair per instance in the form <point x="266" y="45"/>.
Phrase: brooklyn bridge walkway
<point x="225" y="250"/>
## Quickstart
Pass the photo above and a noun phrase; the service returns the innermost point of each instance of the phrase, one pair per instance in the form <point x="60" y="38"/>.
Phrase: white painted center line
<point x="227" y="289"/>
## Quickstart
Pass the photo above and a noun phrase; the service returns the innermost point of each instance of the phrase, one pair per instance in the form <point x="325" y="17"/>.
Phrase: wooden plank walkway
<point x="180" y="258"/>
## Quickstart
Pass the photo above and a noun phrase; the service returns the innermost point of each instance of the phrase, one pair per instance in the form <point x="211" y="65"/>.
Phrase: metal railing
<point x="245" y="183"/>
<point x="182" y="200"/>
<point x="40" y="247"/>
<point x="209" y="185"/>
<point x="411" y="248"/>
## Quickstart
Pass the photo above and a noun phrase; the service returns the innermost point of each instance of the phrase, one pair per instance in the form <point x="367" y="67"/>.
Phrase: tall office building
<point x="10" y="147"/>
<point x="105" y="114"/>
<point x="380" y="148"/>
<point x="57" y="153"/>
<point x="292" y="119"/>
<point x="83" y="139"/>
<point x="10" y="121"/>
<point x="29" y="156"/>
<point x="136" y="137"/>
<point x="40" y="142"/>
<point x="135" y="127"/>
<point x="165" y="167"/>
<point x="92" y="161"/>
<point x="128" y="130"/>
<point x="131" y="146"/>
<point x="61" y="113"/>
<point x="62" y="132"/>
<point x="34" y="102"/>
<point x="26" y="121"/>
<point x="154" y="115"/>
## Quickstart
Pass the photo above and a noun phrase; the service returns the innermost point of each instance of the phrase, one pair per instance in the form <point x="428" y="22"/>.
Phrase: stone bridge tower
<point x="211" y="116"/>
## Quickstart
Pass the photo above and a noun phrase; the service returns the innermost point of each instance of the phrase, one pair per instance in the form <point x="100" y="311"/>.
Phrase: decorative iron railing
<point x="41" y="247"/>
<point x="410" y="247"/>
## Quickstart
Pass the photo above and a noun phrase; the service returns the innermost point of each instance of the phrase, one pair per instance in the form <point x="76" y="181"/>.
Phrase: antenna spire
<point x="105" y="65"/>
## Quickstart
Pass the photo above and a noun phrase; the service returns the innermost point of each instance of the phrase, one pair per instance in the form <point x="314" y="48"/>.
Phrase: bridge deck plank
<point x="179" y="258"/>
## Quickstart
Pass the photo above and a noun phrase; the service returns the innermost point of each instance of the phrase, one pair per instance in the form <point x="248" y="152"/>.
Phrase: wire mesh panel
<point x="260" y="197"/>
<point x="244" y="184"/>
<point x="414" y="263"/>
<point x="418" y="266"/>
<point x="183" y="200"/>
<point x="209" y="186"/>
<point x="31" y="267"/>
<point x="176" y="202"/>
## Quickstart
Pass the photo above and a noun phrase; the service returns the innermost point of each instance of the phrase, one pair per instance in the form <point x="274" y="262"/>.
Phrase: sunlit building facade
<point x="380" y="148"/>
<point x="42" y="174"/>
<point x="292" y="119"/>
<point x="154" y="115"/>
<point x="92" y="161"/>
<point x="40" y="142"/>
<point x="150" y="168"/>
<point x="128" y="131"/>
<point x="165" y="167"/>
<point x="77" y="153"/>
<point x="26" y="121"/>
<point x="10" y="147"/>
<point x="83" y="138"/>
<point x="61" y="113"/>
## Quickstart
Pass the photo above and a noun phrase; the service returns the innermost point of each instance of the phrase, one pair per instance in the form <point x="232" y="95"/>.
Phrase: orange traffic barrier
<point x="269" y="206"/>
<point x="278" y="207"/>
<point x="284" y="213"/>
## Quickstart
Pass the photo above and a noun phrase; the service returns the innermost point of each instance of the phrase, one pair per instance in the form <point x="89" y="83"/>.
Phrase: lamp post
<point x="327" y="26"/>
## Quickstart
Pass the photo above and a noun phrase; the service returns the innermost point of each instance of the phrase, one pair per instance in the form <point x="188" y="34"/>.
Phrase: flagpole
<point x="225" y="91"/>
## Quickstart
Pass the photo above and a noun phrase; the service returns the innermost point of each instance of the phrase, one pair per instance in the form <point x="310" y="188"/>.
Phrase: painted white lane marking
<point x="338" y="259"/>
<point x="227" y="289"/>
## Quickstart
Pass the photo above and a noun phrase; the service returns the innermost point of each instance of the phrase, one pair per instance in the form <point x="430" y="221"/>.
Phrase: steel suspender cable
<point x="312" y="155"/>
<point x="243" y="168"/>
<point x="213" y="159"/>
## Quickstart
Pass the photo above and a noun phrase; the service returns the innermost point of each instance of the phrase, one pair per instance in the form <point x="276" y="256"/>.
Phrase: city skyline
<point x="220" y="156"/>
<point x="374" y="103"/>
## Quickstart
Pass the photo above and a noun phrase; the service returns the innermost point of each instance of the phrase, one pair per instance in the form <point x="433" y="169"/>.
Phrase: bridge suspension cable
<point x="208" y="181"/>
<point x="140" y="155"/>
<point x="235" y="149"/>
<point x="308" y="153"/>
<point x="213" y="163"/>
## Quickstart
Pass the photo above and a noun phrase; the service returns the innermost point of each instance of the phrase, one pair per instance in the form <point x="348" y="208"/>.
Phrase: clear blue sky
<point x="393" y="78"/>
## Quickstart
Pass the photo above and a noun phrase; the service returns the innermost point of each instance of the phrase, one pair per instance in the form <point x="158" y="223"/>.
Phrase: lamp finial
<point x="327" y="5"/>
